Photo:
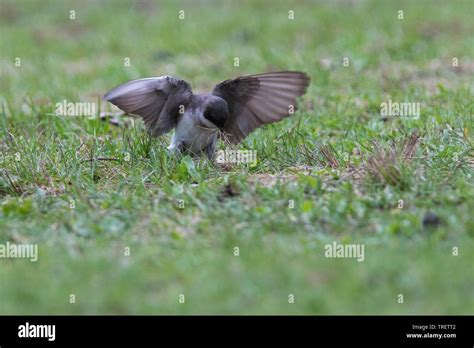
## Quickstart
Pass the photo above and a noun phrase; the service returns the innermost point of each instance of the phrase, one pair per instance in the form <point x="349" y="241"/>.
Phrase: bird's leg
<point x="177" y="145"/>
<point x="210" y="149"/>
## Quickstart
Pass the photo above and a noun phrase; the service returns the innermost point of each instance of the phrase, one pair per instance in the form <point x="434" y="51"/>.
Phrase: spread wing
<point x="256" y="100"/>
<point x="156" y="99"/>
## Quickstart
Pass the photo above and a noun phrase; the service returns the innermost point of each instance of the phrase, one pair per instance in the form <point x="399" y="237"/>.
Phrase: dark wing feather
<point x="155" y="99"/>
<point x="256" y="100"/>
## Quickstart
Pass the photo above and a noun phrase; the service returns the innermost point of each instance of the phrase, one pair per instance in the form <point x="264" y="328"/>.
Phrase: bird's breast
<point x="191" y="133"/>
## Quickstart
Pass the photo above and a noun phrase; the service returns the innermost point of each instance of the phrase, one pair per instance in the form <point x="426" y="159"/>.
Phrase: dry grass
<point x="387" y="164"/>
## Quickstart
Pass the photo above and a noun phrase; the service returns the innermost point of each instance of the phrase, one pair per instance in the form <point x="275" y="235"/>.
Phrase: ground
<point x="123" y="227"/>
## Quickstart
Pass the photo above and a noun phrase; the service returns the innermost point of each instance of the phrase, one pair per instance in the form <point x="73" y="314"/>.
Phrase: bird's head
<point x="216" y="110"/>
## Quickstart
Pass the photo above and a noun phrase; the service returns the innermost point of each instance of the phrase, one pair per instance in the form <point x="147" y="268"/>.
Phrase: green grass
<point x="342" y="165"/>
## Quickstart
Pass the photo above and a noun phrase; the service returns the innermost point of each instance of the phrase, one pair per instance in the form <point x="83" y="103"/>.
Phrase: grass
<point x="130" y="234"/>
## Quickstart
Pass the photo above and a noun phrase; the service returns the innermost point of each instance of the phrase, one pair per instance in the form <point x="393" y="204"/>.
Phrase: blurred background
<point x="81" y="54"/>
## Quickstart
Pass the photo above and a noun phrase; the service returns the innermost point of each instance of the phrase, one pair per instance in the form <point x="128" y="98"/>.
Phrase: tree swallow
<point x="231" y="111"/>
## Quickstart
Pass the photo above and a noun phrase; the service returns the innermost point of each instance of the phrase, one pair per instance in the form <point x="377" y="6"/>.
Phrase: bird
<point x="233" y="109"/>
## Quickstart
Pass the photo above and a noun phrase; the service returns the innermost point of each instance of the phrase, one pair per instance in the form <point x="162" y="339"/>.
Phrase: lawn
<point x="124" y="227"/>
